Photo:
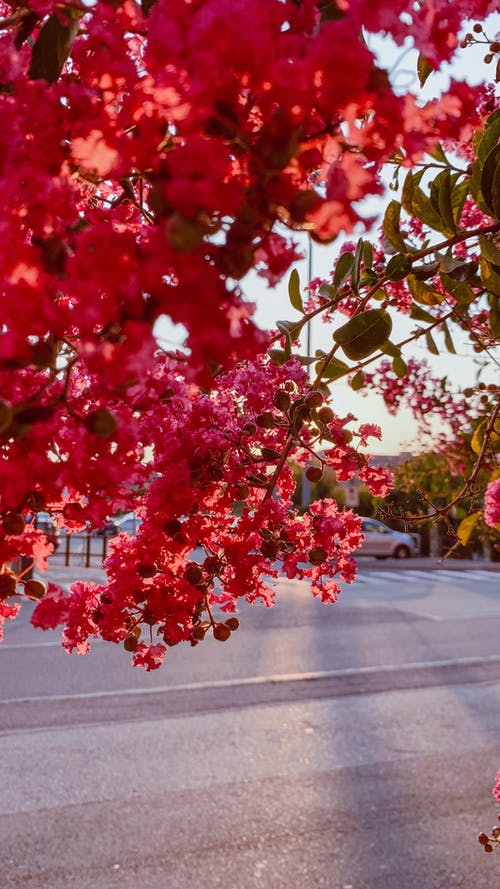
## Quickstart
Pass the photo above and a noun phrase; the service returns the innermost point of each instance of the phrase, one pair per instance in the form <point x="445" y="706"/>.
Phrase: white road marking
<point x="421" y="576"/>
<point x="264" y="680"/>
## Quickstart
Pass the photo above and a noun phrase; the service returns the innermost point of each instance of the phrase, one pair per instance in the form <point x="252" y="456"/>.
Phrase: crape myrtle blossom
<point x="224" y="451"/>
<point x="148" y="154"/>
<point x="492" y="503"/>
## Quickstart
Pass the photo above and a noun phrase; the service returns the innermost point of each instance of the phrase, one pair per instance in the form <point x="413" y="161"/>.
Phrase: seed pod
<point x="233" y="623"/>
<point x="42" y="354"/>
<point x="265" y="420"/>
<point x="198" y="633"/>
<point x="146" y="569"/>
<point x="35" y="501"/>
<point x="101" y="422"/>
<point x="193" y="573"/>
<point x="172" y="528"/>
<point x="249" y="429"/>
<point x="212" y="564"/>
<point x="242" y="490"/>
<point x="6" y="415"/>
<point x="8" y="585"/>
<point x="317" y="555"/>
<point x="282" y="400"/>
<point x="314" y="399"/>
<point x="13" y="523"/>
<point x="221" y="632"/>
<point x="34" y="589"/>
<point x="130" y="643"/>
<point x="314" y="473"/>
<point x="325" y="415"/>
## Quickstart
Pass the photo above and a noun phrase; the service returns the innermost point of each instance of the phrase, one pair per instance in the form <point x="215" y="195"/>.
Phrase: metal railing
<point x="83" y="550"/>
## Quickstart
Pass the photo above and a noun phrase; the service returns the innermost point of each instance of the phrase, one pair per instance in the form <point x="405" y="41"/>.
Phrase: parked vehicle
<point x="381" y="541"/>
<point x="128" y="522"/>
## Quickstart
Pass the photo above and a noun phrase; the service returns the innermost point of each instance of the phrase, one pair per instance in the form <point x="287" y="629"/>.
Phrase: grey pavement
<point x="350" y="746"/>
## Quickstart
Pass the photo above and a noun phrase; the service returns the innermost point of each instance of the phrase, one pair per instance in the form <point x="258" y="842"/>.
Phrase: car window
<point x="370" y="527"/>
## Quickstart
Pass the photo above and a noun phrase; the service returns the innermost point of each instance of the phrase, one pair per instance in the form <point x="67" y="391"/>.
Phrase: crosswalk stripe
<point x="481" y="575"/>
<point x="421" y="576"/>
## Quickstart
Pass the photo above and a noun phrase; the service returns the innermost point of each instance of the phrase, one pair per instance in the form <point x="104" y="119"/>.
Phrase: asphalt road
<point x="349" y="746"/>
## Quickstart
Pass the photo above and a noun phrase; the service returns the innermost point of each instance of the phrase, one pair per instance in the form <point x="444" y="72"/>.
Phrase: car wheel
<point x="401" y="552"/>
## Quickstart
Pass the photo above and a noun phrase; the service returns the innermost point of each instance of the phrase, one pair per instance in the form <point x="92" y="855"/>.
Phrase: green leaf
<point x="448" y="340"/>
<point x="419" y="314"/>
<point x="400" y="367"/>
<point x="431" y="345"/>
<point x="391" y="349"/>
<point x="458" y="196"/>
<point x="53" y="44"/>
<point x="333" y="370"/>
<point x="367" y="255"/>
<point x="278" y="356"/>
<point x="327" y="291"/>
<point x="475" y="188"/>
<point x="424" y="293"/>
<point x="364" y="333"/>
<point x="391" y="226"/>
<point x="424" y="69"/>
<point x="489" y="251"/>
<point x="478" y="437"/>
<point x="467" y="526"/>
<point x="495" y="191"/>
<point x="368" y="278"/>
<point x="410" y="184"/>
<point x="358" y="381"/>
<point x="290" y="329"/>
<point x="460" y="290"/>
<point x="398" y="267"/>
<point x="489" y="139"/>
<point x="343" y="270"/>
<point x="438" y="154"/>
<point x="356" y="266"/>
<point x="426" y="270"/>
<point x="445" y="209"/>
<point x="490" y="277"/>
<point x="294" y="291"/>
<point x="465" y="271"/>
<point x="488" y="177"/>
<point x="422" y="208"/>
<point x="494" y="304"/>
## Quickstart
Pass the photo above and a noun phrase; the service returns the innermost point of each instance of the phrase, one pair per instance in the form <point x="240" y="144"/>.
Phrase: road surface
<point x="349" y="746"/>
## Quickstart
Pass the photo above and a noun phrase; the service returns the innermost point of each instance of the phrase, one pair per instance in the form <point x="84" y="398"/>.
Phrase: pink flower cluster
<point x="492" y="503"/>
<point x="144" y="180"/>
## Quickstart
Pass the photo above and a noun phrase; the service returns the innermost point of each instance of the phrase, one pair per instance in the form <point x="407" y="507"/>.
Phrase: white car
<point x="381" y="541"/>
